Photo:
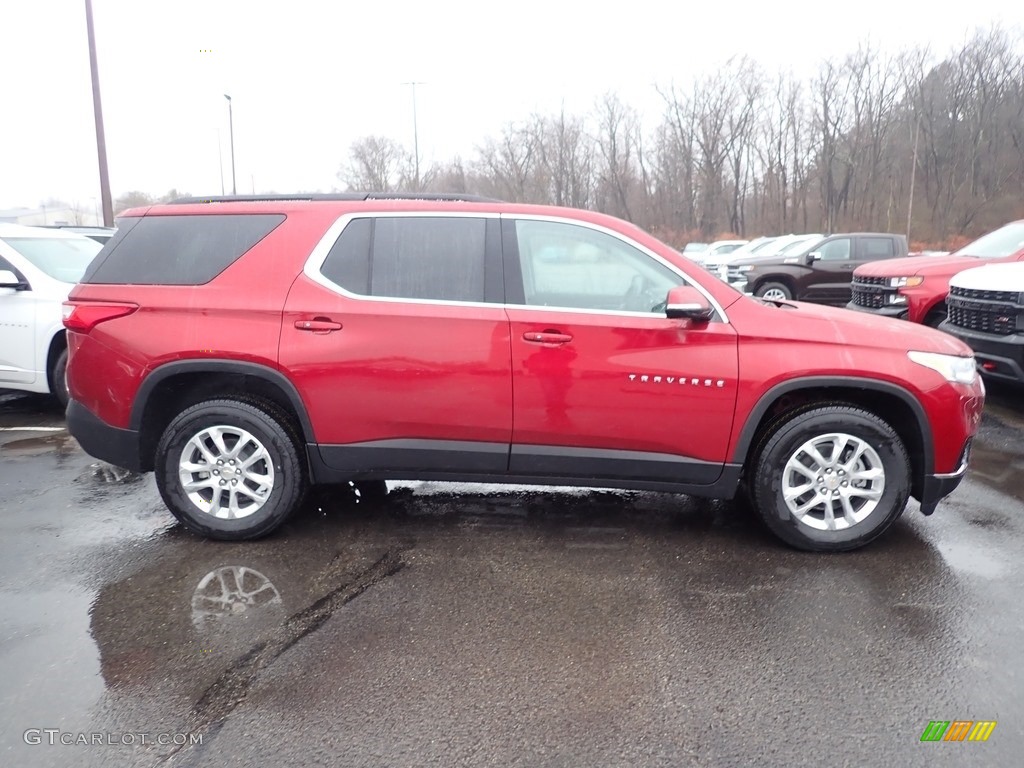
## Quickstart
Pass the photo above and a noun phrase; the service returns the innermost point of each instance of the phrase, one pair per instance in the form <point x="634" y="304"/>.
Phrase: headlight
<point x="960" y="370"/>
<point x="745" y="268"/>
<point x="905" y="282"/>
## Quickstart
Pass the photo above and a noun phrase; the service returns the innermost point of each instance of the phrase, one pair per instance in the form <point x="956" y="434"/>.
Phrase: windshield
<point x="62" y="258"/>
<point x="1005" y="241"/>
<point x="801" y="245"/>
<point x="763" y="245"/>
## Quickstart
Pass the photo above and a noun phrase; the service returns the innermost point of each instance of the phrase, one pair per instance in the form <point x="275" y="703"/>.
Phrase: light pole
<point x="231" y="127"/>
<point x="415" y="133"/>
<point x="97" y="109"/>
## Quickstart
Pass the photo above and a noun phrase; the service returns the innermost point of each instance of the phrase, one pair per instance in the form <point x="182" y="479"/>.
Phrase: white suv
<point x="37" y="269"/>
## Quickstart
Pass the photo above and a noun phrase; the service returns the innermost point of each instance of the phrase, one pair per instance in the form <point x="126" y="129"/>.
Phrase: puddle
<point x="972" y="558"/>
<point x="61" y="444"/>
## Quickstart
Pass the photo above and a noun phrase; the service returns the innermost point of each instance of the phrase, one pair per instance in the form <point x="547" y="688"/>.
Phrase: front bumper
<point x="113" y="445"/>
<point x="899" y="311"/>
<point x="938" y="487"/>
<point x="999" y="357"/>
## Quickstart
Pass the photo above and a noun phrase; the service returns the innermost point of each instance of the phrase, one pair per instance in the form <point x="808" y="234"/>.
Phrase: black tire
<point x="936" y="316"/>
<point x="272" y="429"/>
<point x="58" y="380"/>
<point x="765" y="287"/>
<point x="784" y="442"/>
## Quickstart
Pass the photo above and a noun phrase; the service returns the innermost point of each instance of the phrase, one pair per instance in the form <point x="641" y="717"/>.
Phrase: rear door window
<point x="434" y="258"/>
<point x="877" y="248"/>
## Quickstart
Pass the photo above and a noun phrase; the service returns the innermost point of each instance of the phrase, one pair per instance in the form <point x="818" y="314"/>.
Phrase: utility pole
<point x="415" y="133"/>
<point x="231" y="126"/>
<point x="220" y="163"/>
<point x="101" y="143"/>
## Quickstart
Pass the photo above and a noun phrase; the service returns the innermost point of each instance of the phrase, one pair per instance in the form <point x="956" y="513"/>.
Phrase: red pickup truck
<point x="915" y="288"/>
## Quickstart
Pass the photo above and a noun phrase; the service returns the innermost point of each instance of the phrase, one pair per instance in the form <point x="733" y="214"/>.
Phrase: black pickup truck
<point x="821" y="272"/>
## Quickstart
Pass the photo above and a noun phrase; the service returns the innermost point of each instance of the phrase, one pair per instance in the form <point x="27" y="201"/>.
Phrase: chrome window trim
<point x="317" y="257"/>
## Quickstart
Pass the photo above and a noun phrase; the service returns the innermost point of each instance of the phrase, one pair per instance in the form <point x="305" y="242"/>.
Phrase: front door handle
<point x="547" y="337"/>
<point x="318" y="325"/>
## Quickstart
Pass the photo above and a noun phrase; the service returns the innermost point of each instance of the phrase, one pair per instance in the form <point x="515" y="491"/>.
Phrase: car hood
<point x="918" y="265"/>
<point x="992" y="277"/>
<point x="753" y="261"/>
<point x="848" y="327"/>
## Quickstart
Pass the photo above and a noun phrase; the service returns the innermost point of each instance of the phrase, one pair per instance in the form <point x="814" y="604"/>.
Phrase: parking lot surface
<point x="470" y="625"/>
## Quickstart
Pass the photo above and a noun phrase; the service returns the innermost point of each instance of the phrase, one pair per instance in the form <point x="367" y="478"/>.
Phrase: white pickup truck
<point x="985" y="308"/>
<point x="37" y="269"/>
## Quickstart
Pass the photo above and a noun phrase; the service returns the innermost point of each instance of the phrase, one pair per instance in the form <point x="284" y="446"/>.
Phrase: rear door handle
<point x="319" y="325"/>
<point x="547" y="337"/>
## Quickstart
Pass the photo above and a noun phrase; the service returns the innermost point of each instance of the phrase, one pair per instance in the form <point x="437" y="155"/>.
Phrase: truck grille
<point x="994" y="312"/>
<point x="871" y="292"/>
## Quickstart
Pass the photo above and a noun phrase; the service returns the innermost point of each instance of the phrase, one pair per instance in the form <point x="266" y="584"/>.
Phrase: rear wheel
<point x="831" y="479"/>
<point x="59" y="378"/>
<point x="230" y="470"/>
<point x="774" y="292"/>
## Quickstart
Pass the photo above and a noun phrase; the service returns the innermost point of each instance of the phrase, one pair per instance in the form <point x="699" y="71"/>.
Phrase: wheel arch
<point x="174" y="386"/>
<point x="777" y="277"/>
<point x="891" y="402"/>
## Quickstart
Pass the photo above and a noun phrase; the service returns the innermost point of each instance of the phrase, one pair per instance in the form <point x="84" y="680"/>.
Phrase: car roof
<point x="20" y="230"/>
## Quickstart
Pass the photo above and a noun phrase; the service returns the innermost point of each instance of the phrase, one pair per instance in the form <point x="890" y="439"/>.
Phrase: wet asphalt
<point x="486" y="625"/>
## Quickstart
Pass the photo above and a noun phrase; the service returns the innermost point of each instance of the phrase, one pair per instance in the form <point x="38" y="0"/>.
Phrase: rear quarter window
<point x="178" y="250"/>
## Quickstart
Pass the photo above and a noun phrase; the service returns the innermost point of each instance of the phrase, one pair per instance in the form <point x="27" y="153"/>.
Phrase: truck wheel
<point x="230" y="470"/>
<point x="936" y="316"/>
<point x="774" y="292"/>
<point x="831" y="479"/>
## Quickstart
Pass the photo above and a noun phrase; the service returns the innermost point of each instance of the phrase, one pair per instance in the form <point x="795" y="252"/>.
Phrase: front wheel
<point x="230" y="470"/>
<point x="831" y="479"/>
<point x="774" y="292"/>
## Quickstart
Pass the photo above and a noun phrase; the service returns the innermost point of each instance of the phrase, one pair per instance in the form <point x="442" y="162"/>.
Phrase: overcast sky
<point x="307" y="78"/>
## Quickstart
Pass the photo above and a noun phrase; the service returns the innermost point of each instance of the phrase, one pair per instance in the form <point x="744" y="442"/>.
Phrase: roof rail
<point x="347" y="196"/>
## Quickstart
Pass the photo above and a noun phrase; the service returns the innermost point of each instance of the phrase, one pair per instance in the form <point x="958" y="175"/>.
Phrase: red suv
<point x="915" y="288"/>
<point x="245" y="348"/>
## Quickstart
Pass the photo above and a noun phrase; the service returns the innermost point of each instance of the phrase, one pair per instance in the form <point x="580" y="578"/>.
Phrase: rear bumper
<point x="113" y="445"/>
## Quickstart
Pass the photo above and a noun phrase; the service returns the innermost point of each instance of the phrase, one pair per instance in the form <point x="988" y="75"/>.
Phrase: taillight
<point x="84" y="316"/>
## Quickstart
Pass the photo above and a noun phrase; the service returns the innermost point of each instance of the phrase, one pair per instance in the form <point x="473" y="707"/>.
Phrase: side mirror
<point x="813" y="256"/>
<point x="687" y="303"/>
<point x="10" y="280"/>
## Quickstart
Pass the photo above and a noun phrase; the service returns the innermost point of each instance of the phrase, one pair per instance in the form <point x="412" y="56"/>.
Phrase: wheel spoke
<point x="812" y="451"/>
<point x="197" y="485"/>
<point x="867" y="474"/>
<point x="848" y="513"/>
<point x="830" y="516"/>
<point x="803" y="469"/>
<point x="867" y="493"/>
<point x="804" y="508"/>
<point x="794" y="493"/>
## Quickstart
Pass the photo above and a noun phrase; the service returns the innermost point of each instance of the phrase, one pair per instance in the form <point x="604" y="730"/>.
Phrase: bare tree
<point x="377" y="164"/>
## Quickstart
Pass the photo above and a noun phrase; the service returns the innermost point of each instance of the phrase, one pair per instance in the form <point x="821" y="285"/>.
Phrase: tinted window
<point x="565" y="265"/>
<point x="178" y="250"/>
<point x="348" y="263"/>
<point x="62" y="258"/>
<point x="835" y="250"/>
<point x="411" y="257"/>
<point x="877" y="247"/>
